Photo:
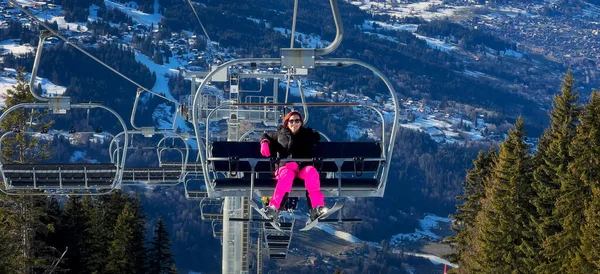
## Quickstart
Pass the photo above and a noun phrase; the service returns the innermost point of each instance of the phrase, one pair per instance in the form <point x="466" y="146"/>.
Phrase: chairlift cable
<point x="208" y="44"/>
<point x="34" y="18"/>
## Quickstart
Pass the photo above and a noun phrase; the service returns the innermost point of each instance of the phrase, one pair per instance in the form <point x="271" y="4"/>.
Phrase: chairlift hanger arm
<point x="394" y="95"/>
<point x="339" y="31"/>
<point x="36" y="63"/>
<point x="56" y="33"/>
<point x="136" y="101"/>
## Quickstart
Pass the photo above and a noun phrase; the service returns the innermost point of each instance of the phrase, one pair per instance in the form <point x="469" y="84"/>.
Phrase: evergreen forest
<point x="41" y="233"/>
<point x="524" y="212"/>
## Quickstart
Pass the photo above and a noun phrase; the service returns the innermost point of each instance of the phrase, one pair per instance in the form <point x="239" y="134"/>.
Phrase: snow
<point x="385" y="37"/>
<point x="432" y="258"/>
<point x="512" y="53"/>
<point x="353" y="131"/>
<point x="427" y="224"/>
<point x="340" y="234"/>
<point x="56" y="16"/>
<point x="295" y="91"/>
<point x="93" y="13"/>
<point x="368" y="25"/>
<point x="473" y="73"/>
<point x="161" y="86"/>
<point x="308" y="41"/>
<point x="25" y="2"/>
<point x="15" y="48"/>
<point x="436" y="43"/>
<point x="254" y="20"/>
<point x="7" y="82"/>
<point x="77" y="155"/>
<point x="424" y="9"/>
<point x="163" y="117"/>
<point x="136" y="15"/>
<point x="327" y="228"/>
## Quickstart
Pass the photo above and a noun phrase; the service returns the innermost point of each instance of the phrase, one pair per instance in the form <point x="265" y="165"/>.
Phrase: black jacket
<point x="288" y="145"/>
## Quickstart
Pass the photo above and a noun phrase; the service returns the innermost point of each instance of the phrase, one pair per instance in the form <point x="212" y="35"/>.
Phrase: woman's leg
<point x="285" y="179"/>
<point x="310" y="175"/>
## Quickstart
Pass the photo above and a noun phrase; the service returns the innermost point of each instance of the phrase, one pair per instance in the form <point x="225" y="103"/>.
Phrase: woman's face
<point x="294" y="123"/>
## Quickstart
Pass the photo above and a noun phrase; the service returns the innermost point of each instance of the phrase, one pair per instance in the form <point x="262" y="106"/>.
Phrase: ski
<point x="332" y="210"/>
<point x="266" y="218"/>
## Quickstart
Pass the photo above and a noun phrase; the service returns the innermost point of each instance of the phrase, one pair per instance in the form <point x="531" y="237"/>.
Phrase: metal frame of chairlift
<point x="148" y="177"/>
<point x="292" y="60"/>
<point x="386" y="153"/>
<point x="60" y="105"/>
<point x="211" y="209"/>
<point x="10" y="172"/>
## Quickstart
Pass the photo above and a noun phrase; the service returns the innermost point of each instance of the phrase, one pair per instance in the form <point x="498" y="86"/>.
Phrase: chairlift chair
<point x="157" y="176"/>
<point x="62" y="178"/>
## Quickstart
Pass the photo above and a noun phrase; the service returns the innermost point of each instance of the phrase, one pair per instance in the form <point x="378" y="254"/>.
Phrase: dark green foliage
<point x="121" y="247"/>
<point x="552" y="161"/>
<point x="26" y="223"/>
<point x="20" y="147"/>
<point x="75" y="235"/>
<point x="586" y="168"/>
<point x="505" y="240"/>
<point x="558" y="231"/>
<point x="474" y="194"/>
<point x="161" y="260"/>
<point x="471" y="39"/>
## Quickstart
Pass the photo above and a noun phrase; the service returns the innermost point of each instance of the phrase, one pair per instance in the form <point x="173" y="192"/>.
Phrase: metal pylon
<point x="235" y="234"/>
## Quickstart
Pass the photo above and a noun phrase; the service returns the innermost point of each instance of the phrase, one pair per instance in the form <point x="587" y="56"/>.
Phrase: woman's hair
<point x="289" y="116"/>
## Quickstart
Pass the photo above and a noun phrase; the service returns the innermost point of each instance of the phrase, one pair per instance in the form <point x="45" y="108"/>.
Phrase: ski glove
<point x="264" y="148"/>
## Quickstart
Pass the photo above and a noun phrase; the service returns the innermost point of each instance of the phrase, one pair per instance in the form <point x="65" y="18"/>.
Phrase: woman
<point x="292" y="140"/>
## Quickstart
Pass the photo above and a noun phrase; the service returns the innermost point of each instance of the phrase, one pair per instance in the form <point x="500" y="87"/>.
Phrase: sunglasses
<point x="291" y="121"/>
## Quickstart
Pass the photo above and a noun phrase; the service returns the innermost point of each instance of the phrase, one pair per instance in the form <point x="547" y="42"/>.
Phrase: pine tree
<point x="503" y="243"/>
<point x="139" y="236"/>
<point x="25" y="228"/>
<point x="9" y="242"/>
<point x="99" y="237"/>
<point x="552" y="162"/>
<point x="121" y="247"/>
<point x="75" y="231"/>
<point x="581" y="225"/>
<point x="473" y="195"/>
<point x="161" y="260"/>
<point x="21" y="148"/>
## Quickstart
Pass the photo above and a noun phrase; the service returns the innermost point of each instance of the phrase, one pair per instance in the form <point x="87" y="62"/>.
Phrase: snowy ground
<point x="130" y="8"/>
<point x="164" y="114"/>
<point x="429" y="223"/>
<point x="307" y="41"/>
<point x="8" y="80"/>
<point x="15" y="48"/>
<point x="428" y="10"/>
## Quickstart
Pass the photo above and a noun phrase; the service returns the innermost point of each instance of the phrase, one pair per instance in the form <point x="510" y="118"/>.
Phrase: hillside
<point x="462" y="87"/>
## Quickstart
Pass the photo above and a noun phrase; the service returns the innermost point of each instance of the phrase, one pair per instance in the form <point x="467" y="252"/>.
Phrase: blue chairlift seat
<point x="60" y="176"/>
<point x="357" y="171"/>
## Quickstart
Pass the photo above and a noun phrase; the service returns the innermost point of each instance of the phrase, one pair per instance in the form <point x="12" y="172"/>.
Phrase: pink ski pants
<point x="285" y="178"/>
